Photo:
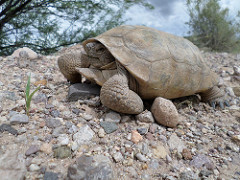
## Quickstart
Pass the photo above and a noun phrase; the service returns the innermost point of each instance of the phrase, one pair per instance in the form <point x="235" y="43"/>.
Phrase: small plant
<point x="28" y="97"/>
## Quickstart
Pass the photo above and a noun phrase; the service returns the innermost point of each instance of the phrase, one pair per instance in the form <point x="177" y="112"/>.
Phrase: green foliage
<point x="212" y="27"/>
<point x="28" y="96"/>
<point x="46" y="25"/>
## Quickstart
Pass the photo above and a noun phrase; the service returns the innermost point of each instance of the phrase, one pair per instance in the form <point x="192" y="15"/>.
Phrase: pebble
<point x="112" y="117"/>
<point x="109" y="127"/>
<point x="187" y="155"/>
<point x="142" y="131"/>
<point x="175" y="143"/>
<point x="62" y="152"/>
<point x="53" y="123"/>
<point x="34" y="167"/>
<point x="201" y="160"/>
<point x="46" y="148"/>
<point x="160" y="151"/>
<point x="63" y="139"/>
<point x="87" y="117"/>
<point x="146" y="116"/>
<point x="84" y="135"/>
<point x="136" y="137"/>
<point x="141" y="157"/>
<point x="19" y="119"/>
<point x="91" y="167"/>
<point x="8" y="128"/>
<point x="101" y="133"/>
<point x="32" y="149"/>
<point x="118" y="157"/>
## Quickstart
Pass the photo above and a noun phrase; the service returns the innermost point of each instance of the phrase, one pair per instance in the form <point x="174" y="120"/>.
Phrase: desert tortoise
<point x="132" y="63"/>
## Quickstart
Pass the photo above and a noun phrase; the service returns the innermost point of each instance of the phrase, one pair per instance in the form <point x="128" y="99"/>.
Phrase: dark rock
<point x="58" y="130"/>
<point x="32" y="149"/>
<point x="142" y="131"/>
<point x="55" y="113"/>
<point x="8" y="128"/>
<point x="50" y="176"/>
<point x="109" y="127"/>
<point x="62" y="152"/>
<point x="89" y="168"/>
<point x="79" y="90"/>
<point x="53" y="123"/>
<point x="76" y="111"/>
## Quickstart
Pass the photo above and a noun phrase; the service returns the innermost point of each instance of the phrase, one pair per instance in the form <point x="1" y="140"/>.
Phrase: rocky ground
<point x="84" y="140"/>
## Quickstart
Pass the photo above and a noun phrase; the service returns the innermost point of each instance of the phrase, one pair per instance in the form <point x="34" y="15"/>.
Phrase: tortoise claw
<point x="213" y="104"/>
<point x="222" y="104"/>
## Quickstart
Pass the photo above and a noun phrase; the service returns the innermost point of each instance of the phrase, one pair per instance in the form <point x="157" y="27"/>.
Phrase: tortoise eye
<point x="100" y="49"/>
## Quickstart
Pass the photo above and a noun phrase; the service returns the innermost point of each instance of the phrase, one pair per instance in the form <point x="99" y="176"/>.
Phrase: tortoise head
<point x="99" y="53"/>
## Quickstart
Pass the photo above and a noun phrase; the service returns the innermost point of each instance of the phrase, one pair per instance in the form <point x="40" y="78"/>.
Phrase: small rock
<point x="87" y="117"/>
<point x="125" y="119"/>
<point x="46" y="148"/>
<point x="50" y="176"/>
<point x="141" y="157"/>
<point x="80" y="90"/>
<point x="136" y="137"/>
<point x="118" y="157"/>
<point x="142" y="131"/>
<point x="109" y="127"/>
<point x="62" y="152"/>
<point x="91" y="167"/>
<point x="187" y="155"/>
<point x="32" y="149"/>
<point x="201" y="160"/>
<point x="236" y="70"/>
<point x="31" y="54"/>
<point x="101" y="133"/>
<point x="19" y="119"/>
<point x="145" y="116"/>
<point x="84" y="135"/>
<point x="175" y="143"/>
<point x="160" y="151"/>
<point x="63" y="139"/>
<point x="236" y="138"/>
<point x="55" y="113"/>
<point x="164" y="112"/>
<point x="53" y="122"/>
<point x="34" y="167"/>
<point x="58" y="131"/>
<point x="8" y="128"/>
<point x="112" y="117"/>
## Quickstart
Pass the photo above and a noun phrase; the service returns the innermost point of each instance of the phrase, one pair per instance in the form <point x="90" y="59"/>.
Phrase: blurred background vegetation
<point x="46" y="26"/>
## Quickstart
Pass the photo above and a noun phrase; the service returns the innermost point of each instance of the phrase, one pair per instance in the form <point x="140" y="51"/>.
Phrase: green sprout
<point x="28" y="97"/>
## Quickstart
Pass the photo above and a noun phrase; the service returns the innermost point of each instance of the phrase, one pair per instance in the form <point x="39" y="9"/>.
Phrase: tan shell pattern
<point x="163" y="64"/>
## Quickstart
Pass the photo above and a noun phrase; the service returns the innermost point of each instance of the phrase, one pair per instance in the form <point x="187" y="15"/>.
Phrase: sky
<point x="170" y="15"/>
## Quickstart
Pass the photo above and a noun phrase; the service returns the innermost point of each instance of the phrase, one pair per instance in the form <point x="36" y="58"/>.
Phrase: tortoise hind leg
<point x="214" y="96"/>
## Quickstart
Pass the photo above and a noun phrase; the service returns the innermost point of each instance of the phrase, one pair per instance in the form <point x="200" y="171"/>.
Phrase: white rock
<point x="236" y="70"/>
<point x="31" y="53"/>
<point x="63" y="139"/>
<point x="34" y="167"/>
<point x="84" y="135"/>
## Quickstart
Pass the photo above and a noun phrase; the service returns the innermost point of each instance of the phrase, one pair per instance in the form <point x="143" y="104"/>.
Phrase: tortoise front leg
<point x="68" y="63"/>
<point x="116" y="95"/>
<point x="214" y="96"/>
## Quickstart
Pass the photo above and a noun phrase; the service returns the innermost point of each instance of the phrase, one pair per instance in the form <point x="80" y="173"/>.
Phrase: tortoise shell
<point x="163" y="64"/>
